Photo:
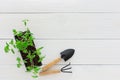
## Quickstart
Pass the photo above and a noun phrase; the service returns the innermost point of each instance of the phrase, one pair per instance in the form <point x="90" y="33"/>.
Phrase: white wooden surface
<point x="60" y="6"/>
<point x="91" y="27"/>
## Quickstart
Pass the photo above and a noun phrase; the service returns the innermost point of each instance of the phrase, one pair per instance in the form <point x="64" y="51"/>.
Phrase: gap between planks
<point x="71" y="64"/>
<point x="59" y="12"/>
<point x="68" y="38"/>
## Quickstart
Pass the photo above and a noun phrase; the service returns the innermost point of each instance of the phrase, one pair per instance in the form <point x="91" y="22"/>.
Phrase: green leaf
<point x="14" y="45"/>
<point x="31" y="38"/>
<point x="29" y="55"/>
<point x="18" y="59"/>
<point x="36" y="69"/>
<point x="24" y="61"/>
<point x="21" y="45"/>
<point x="20" y="33"/>
<point x="35" y="76"/>
<point x="25" y="21"/>
<point x="14" y="31"/>
<point x="29" y="68"/>
<point x="25" y="51"/>
<point x="41" y="48"/>
<point x="12" y="51"/>
<point x="11" y="42"/>
<point x="41" y="58"/>
<point x="19" y="62"/>
<point x="6" y="48"/>
<point x="38" y="51"/>
<point x="19" y="65"/>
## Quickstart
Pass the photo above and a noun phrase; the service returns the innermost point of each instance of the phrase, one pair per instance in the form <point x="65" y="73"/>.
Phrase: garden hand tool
<point x="63" y="69"/>
<point x="65" y="55"/>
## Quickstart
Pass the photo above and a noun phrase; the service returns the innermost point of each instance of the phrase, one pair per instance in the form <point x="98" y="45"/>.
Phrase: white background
<point x="91" y="27"/>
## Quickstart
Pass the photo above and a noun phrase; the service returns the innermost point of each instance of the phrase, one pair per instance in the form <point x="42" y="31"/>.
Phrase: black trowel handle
<point x="49" y="65"/>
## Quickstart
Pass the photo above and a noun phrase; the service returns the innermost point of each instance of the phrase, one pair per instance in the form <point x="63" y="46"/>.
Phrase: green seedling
<point x="26" y="40"/>
<point x="19" y="62"/>
<point x="25" y="21"/>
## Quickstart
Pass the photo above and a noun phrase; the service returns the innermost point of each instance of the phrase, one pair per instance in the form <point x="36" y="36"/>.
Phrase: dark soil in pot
<point x="24" y="55"/>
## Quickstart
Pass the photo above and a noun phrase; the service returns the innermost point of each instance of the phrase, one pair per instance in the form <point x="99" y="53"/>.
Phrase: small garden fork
<point x="64" y="69"/>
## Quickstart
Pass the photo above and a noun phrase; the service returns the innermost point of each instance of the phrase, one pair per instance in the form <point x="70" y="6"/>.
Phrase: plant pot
<point x="24" y="55"/>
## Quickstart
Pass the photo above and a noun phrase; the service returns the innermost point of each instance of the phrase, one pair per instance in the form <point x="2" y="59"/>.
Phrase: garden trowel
<point x="65" y="55"/>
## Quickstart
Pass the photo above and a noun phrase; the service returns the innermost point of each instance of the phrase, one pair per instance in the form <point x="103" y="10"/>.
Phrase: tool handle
<point x="49" y="72"/>
<point x="49" y="65"/>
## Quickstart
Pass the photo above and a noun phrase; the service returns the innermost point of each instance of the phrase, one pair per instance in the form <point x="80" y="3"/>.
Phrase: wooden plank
<point x="64" y="26"/>
<point x="96" y="72"/>
<point x="59" y="6"/>
<point x="93" y="72"/>
<point x="87" y="51"/>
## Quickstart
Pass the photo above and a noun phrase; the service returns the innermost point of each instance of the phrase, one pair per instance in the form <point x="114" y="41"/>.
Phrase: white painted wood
<point x="84" y="72"/>
<point x="91" y="27"/>
<point x="64" y="26"/>
<point x="11" y="72"/>
<point x="96" y="73"/>
<point x="87" y="51"/>
<point x="59" y="6"/>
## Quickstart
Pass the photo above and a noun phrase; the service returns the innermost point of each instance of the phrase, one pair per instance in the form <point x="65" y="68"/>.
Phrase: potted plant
<point x="24" y="43"/>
